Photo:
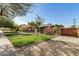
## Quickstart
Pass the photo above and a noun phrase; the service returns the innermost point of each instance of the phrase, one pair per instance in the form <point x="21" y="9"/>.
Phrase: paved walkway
<point x="67" y="39"/>
<point x="6" y="48"/>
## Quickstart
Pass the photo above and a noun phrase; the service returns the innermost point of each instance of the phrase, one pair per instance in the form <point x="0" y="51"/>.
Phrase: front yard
<point x="19" y="39"/>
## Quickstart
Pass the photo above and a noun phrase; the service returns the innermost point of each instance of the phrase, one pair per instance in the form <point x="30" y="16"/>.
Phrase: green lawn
<point x="19" y="40"/>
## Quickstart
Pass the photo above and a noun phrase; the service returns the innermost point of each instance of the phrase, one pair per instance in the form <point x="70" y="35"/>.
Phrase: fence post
<point x="77" y="32"/>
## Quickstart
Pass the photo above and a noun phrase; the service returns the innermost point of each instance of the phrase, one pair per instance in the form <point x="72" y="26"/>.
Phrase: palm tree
<point x="12" y="10"/>
<point x="32" y="23"/>
<point x="38" y="22"/>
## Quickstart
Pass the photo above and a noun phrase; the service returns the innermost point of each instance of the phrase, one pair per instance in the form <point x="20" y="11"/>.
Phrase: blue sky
<point x="55" y="13"/>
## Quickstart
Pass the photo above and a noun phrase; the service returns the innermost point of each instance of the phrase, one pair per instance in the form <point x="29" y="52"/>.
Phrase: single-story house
<point x="46" y="29"/>
<point x="27" y="28"/>
<point x="30" y="28"/>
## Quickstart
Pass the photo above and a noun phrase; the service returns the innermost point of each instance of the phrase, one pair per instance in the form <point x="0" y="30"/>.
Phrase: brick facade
<point x="47" y="30"/>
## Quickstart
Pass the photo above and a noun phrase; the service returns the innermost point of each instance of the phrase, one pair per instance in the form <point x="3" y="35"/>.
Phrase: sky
<point x="54" y="13"/>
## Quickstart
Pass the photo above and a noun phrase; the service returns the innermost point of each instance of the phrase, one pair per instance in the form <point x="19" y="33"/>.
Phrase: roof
<point x="46" y="25"/>
<point x="25" y="25"/>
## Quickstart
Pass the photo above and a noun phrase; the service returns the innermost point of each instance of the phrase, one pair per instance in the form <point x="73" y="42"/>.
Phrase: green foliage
<point x="38" y="22"/>
<point x="6" y="22"/>
<point x="12" y="10"/>
<point x="73" y="26"/>
<point x="57" y="28"/>
<point x="22" y="28"/>
<point x="32" y="23"/>
<point x="16" y="27"/>
<point x="56" y="25"/>
<point x="23" y="40"/>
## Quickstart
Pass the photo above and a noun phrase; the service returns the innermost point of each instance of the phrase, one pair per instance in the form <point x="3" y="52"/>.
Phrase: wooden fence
<point x="70" y="32"/>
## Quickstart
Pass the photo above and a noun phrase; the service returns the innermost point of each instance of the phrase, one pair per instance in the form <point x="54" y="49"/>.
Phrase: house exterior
<point x="30" y="28"/>
<point x="27" y="28"/>
<point x="46" y="29"/>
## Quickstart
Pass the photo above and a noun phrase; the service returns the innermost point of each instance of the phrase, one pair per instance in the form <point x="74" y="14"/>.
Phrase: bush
<point x="6" y="22"/>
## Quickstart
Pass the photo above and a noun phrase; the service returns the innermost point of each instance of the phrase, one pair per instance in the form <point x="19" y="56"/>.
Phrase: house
<point x="46" y="29"/>
<point x="27" y="28"/>
<point x="30" y="28"/>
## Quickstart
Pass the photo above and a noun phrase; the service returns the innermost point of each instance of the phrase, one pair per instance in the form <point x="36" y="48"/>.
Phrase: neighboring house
<point x="46" y="29"/>
<point x="30" y="28"/>
<point x="27" y="28"/>
<point x="22" y="27"/>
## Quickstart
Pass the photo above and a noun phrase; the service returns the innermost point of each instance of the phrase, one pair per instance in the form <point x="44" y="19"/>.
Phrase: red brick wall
<point x="69" y="31"/>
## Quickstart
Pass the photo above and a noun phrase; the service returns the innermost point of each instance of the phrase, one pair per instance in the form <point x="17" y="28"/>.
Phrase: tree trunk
<point x="36" y="32"/>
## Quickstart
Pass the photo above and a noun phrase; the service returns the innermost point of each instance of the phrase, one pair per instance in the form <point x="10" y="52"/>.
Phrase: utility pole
<point x="74" y="23"/>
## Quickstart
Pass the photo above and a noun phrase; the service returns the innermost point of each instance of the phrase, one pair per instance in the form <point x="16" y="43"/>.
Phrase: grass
<point x="19" y="40"/>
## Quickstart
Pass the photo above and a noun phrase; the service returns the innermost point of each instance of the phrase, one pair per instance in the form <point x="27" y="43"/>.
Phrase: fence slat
<point x="69" y="31"/>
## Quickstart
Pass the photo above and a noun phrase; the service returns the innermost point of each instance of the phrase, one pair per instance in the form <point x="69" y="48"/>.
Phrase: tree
<point x="16" y="26"/>
<point x="32" y="23"/>
<point x="57" y="28"/>
<point x="73" y="26"/>
<point x="11" y="10"/>
<point x="38" y="22"/>
<point x="6" y="22"/>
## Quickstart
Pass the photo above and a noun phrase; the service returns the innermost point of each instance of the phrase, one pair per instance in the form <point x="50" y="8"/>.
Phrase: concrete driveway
<point x="59" y="46"/>
<point x="67" y="39"/>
